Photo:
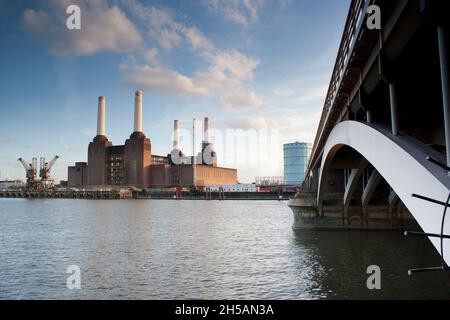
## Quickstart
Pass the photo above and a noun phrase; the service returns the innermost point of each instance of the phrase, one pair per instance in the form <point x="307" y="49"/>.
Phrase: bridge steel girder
<point x="369" y="189"/>
<point x="352" y="184"/>
<point x="403" y="165"/>
<point x="399" y="13"/>
<point x="392" y="200"/>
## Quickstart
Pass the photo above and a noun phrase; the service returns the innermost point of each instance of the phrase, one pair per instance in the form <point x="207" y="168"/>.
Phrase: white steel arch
<point x="403" y="164"/>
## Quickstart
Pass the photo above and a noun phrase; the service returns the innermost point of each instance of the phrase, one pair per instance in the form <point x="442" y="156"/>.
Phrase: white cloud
<point x="106" y="28"/>
<point x="235" y="63"/>
<point x="226" y="72"/>
<point x="251" y="123"/>
<point x="240" y="99"/>
<point x="198" y="40"/>
<point x="168" y="39"/>
<point x="165" y="30"/>
<point x="159" y="23"/>
<point x="242" y="12"/>
<point x="151" y="55"/>
<point x="102" y="29"/>
<point x="164" y="80"/>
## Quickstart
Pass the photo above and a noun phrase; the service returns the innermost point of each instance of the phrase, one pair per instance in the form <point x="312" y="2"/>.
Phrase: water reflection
<point x="345" y="256"/>
<point x="167" y="249"/>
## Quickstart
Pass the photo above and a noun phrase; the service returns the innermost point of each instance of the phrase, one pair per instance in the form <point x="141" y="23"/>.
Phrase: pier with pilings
<point x="122" y="193"/>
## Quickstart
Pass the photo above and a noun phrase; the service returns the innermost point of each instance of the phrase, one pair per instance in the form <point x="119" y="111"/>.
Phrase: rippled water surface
<point x="165" y="249"/>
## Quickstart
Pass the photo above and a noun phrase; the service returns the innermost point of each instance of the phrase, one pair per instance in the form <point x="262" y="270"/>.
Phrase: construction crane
<point x="31" y="170"/>
<point x="44" y="172"/>
<point x="46" y="181"/>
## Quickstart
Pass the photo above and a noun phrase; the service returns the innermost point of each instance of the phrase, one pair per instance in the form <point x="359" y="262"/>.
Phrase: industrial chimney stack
<point x="176" y="134"/>
<point x="101" y="116"/>
<point x="208" y="153"/>
<point x="98" y="148"/>
<point x="207" y="131"/>
<point x="138" y="111"/>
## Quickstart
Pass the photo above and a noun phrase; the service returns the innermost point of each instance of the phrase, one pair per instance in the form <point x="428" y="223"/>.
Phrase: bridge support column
<point x="443" y="57"/>
<point x="368" y="190"/>
<point x="352" y="183"/>
<point x="392" y="200"/>
<point x="369" y="116"/>
<point x="387" y="73"/>
<point x="370" y="187"/>
<point x="394" y="109"/>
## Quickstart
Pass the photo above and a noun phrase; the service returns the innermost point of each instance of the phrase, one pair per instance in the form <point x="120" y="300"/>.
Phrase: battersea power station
<point x="134" y="165"/>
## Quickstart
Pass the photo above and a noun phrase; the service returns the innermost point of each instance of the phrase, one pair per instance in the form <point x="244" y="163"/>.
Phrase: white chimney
<point x="101" y="116"/>
<point x="176" y="134"/>
<point x="138" y="111"/>
<point x="207" y="130"/>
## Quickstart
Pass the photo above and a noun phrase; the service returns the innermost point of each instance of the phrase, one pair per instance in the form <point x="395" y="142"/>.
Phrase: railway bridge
<point x="381" y="155"/>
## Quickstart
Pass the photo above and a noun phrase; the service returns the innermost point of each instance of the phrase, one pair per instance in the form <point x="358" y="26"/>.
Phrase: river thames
<point x="168" y="249"/>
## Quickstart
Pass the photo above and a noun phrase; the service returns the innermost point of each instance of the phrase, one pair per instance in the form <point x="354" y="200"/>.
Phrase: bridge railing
<point x="352" y="28"/>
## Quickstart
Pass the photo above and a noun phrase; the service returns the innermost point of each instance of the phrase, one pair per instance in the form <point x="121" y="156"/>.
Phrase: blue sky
<point x="252" y="65"/>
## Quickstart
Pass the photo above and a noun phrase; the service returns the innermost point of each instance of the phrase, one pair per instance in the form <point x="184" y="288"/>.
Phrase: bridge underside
<point x="366" y="181"/>
<point x="387" y="109"/>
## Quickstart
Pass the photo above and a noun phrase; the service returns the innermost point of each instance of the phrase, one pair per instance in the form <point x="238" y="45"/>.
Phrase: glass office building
<point x="296" y="157"/>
